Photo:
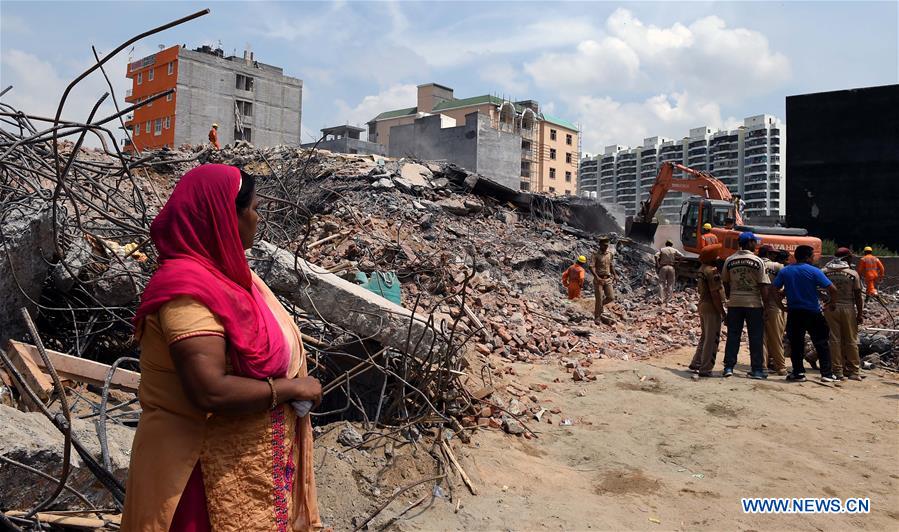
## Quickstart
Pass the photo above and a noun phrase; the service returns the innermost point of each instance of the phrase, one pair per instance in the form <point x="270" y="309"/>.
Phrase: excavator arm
<point x="696" y="183"/>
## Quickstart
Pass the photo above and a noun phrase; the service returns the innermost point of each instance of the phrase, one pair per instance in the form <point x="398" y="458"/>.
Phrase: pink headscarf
<point x="201" y="256"/>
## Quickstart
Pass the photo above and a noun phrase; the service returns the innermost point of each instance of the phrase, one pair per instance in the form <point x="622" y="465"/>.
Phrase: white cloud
<point x="38" y="86"/>
<point x="705" y="57"/>
<point x="10" y="23"/>
<point x="609" y="62"/>
<point x="505" y="77"/>
<point x="668" y="115"/>
<point x="394" y="97"/>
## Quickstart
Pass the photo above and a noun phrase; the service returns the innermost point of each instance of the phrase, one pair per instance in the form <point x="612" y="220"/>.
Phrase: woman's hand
<point x="306" y="389"/>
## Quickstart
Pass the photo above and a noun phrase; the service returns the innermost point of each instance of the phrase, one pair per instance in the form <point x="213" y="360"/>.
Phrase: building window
<point x="150" y="74"/>
<point x="149" y="104"/>
<point x="244" y="108"/>
<point x="244" y="83"/>
<point x="147" y="127"/>
<point x="246" y="134"/>
<point x="568" y="139"/>
<point x="157" y="127"/>
<point x="567" y="192"/>
<point x="552" y="153"/>
<point x="568" y="177"/>
<point x="552" y="189"/>
<point x="135" y="130"/>
<point x="552" y="134"/>
<point x="168" y="97"/>
<point x="171" y="68"/>
<point x="524" y="185"/>
<point x="568" y="158"/>
<point x="168" y="122"/>
<point x="140" y="78"/>
<point x="552" y="173"/>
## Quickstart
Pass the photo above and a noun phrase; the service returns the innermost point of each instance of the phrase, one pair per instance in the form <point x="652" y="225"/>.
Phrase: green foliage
<point x="829" y="247"/>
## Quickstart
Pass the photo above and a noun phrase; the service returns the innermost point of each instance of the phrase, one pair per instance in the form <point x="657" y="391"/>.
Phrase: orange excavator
<point x="710" y="202"/>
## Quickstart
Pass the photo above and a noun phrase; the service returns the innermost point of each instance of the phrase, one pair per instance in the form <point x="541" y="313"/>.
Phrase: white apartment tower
<point x="747" y="160"/>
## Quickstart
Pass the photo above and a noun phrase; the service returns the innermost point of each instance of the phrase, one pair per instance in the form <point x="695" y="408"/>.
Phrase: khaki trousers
<point x="707" y="350"/>
<point x="604" y="295"/>
<point x="775" y="325"/>
<point x="666" y="282"/>
<point x="843" y="339"/>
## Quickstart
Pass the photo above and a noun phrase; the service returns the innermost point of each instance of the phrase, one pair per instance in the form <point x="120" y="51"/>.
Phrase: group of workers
<point x="749" y="290"/>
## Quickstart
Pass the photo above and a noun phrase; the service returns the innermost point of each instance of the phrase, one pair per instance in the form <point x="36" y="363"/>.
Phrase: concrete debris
<point x="512" y="426"/>
<point x="348" y="436"/>
<point x="30" y="439"/>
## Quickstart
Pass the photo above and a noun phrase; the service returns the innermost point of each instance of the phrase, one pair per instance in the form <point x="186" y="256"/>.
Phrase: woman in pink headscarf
<point x="219" y="446"/>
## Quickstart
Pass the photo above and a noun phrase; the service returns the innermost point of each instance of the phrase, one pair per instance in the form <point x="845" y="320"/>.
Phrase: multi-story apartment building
<point x="249" y="100"/>
<point x="747" y="160"/>
<point x="588" y="177"/>
<point x="549" y="151"/>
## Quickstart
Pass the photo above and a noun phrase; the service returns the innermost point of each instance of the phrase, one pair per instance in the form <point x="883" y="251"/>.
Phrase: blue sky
<point x="623" y="70"/>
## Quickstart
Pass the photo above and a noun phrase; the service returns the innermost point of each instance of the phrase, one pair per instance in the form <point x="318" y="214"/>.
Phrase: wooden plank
<point x="66" y="521"/>
<point x="79" y="369"/>
<point x="35" y="378"/>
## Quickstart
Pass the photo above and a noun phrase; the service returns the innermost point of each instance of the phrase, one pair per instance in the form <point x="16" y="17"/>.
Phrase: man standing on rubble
<point x="604" y="275"/>
<point x="666" y="258"/>
<point x="800" y="282"/>
<point x="711" y="311"/>
<point x="775" y="320"/>
<point x="846" y="315"/>
<point x="214" y="137"/>
<point x="871" y="270"/>
<point x="573" y="278"/>
<point x="747" y="285"/>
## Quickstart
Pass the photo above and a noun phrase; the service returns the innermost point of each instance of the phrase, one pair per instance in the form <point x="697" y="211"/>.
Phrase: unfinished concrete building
<point x="346" y="139"/>
<point x="249" y="100"/>
<point x="548" y="150"/>
<point x="476" y="145"/>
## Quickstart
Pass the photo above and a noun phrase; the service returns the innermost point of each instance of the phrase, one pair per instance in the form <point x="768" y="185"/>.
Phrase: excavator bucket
<point x="641" y="231"/>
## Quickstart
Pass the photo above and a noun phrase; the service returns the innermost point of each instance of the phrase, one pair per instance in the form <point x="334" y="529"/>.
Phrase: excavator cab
<point x="697" y="211"/>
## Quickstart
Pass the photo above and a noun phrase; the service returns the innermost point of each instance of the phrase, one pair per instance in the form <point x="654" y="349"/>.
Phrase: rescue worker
<point x="775" y="320"/>
<point x="747" y="288"/>
<point x="800" y="282"/>
<point x="573" y="277"/>
<point x="845" y="317"/>
<point x="604" y="275"/>
<point x="740" y="205"/>
<point x="214" y="137"/>
<point x="871" y="270"/>
<point x="666" y="258"/>
<point x="708" y="237"/>
<point x="711" y="311"/>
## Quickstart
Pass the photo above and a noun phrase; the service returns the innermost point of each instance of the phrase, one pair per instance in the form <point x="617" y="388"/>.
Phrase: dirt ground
<point x="651" y="449"/>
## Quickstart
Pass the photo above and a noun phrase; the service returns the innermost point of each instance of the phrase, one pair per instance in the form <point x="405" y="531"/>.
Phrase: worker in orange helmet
<point x="214" y="137"/>
<point x="708" y="237"/>
<point x="871" y="271"/>
<point x="573" y="277"/>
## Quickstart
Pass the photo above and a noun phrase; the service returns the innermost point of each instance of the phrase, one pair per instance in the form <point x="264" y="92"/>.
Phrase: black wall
<point x="843" y="165"/>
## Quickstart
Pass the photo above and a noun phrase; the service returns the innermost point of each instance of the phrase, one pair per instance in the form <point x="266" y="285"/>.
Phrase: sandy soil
<point x="651" y="449"/>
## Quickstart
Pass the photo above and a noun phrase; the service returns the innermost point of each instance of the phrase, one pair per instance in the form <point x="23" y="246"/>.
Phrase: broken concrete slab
<point x="417" y="174"/>
<point x="26" y="247"/>
<point x="344" y="303"/>
<point x="31" y="439"/>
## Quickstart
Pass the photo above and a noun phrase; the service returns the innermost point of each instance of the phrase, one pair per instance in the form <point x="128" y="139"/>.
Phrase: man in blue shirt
<point x="801" y="282"/>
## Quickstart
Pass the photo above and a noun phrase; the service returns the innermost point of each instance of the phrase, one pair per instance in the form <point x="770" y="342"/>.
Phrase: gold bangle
<point x="271" y="384"/>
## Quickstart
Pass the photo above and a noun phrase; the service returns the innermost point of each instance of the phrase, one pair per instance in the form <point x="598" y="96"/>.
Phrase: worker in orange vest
<point x="573" y="277"/>
<point x="871" y="270"/>
<point x="214" y="137"/>
<point x="708" y="237"/>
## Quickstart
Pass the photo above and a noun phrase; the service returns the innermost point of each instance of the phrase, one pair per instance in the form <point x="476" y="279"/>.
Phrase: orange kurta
<point x="257" y="468"/>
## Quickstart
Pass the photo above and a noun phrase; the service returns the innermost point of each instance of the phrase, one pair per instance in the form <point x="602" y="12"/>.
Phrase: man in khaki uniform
<point x="666" y="258"/>
<point x="747" y="285"/>
<point x="711" y="311"/>
<point x="845" y="317"/>
<point x="775" y="319"/>
<point x="604" y="274"/>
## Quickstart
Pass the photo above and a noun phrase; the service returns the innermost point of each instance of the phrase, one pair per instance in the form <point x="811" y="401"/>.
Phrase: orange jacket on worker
<point x="709" y="239"/>
<point x="573" y="280"/>
<point x="871" y="270"/>
<point x="214" y="138"/>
